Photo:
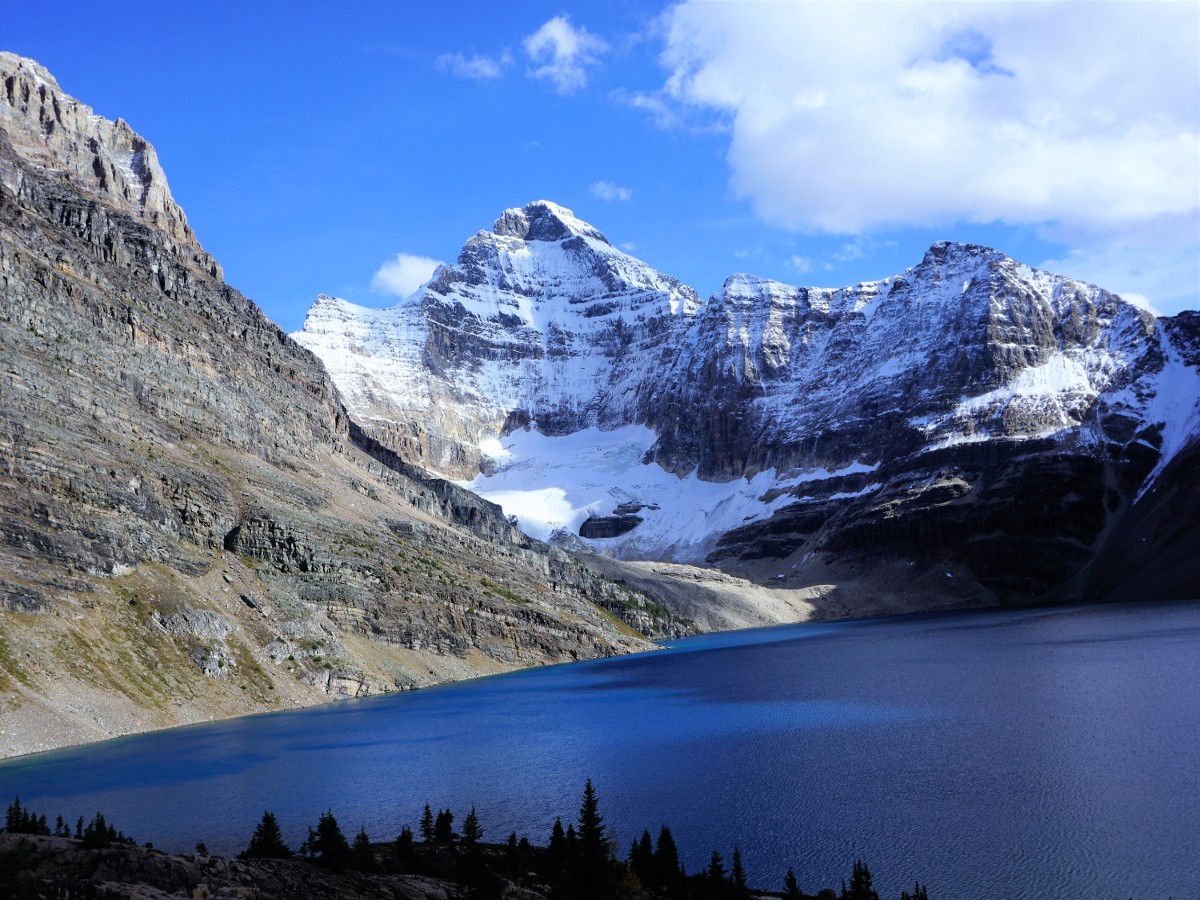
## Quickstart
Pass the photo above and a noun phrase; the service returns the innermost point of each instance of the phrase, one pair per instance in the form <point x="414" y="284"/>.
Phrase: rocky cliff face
<point x="190" y="525"/>
<point x="541" y="317"/>
<point x="971" y="431"/>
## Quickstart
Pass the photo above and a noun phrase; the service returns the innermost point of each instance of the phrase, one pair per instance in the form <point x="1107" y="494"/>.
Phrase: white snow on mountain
<point x="557" y="365"/>
<point x="553" y="484"/>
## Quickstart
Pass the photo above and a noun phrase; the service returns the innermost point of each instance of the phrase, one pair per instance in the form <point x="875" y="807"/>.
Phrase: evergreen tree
<point x="641" y="857"/>
<point x="327" y="845"/>
<point x="594" y="875"/>
<point x="361" y="856"/>
<point x="267" y="841"/>
<point x="791" y="890"/>
<point x="472" y="833"/>
<point x="404" y="843"/>
<point x="593" y="845"/>
<point x="666" y="857"/>
<point x="99" y="833"/>
<point x="558" y="840"/>
<point x="20" y="820"/>
<point x="443" y="827"/>
<point x="427" y="832"/>
<point x="60" y="828"/>
<point x="919" y="893"/>
<point x="716" y="869"/>
<point x="860" y="884"/>
<point x="737" y="874"/>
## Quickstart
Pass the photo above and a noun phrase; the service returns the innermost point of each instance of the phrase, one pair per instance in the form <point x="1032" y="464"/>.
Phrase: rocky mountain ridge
<point x="968" y="432"/>
<point x="191" y="526"/>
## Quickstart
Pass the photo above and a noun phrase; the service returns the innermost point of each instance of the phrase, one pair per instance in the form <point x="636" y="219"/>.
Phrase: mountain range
<point x="972" y="431"/>
<point x="549" y="452"/>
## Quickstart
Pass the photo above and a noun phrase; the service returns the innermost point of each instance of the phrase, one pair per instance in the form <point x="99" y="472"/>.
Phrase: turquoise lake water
<point x="997" y="754"/>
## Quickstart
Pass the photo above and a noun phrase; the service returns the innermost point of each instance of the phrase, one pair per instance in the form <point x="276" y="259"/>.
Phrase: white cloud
<point x="801" y="265"/>
<point x="606" y="190"/>
<point x="563" y="53"/>
<point x="478" y="68"/>
<point x="846" y="118"/>
<point x="403" y="274"/>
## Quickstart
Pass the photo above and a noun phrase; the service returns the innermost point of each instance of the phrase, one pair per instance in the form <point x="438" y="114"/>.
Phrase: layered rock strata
<point x="190" y="524"/>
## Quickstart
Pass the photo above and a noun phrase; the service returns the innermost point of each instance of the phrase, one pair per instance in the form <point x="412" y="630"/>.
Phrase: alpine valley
<point x="549" y="452"/>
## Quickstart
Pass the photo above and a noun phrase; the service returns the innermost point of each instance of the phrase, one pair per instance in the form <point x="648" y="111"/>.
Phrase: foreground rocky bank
<point x="36" y="866"/>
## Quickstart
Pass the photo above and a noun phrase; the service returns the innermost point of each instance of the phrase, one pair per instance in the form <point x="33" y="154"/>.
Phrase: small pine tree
<point x="403" y="845"/>
<point x="21" y="820"/>
<point x="426" y="826"/>
<point x="791" y="889"/>
<point x="737" y="874"/>
<point x="666" y="859"/>
<point x="594" y="875"/>
<point x="443" y="827"/>
<point x="510" y="847"/>
<point x="201" y="848"/>
<point x="919" y="893"/>
<point x="14" y="816"/>
<point x="860" y="884"/>
<point x="327" y="845"/>
<point x="472" y="832"/>
<point x="716" y="869"/>
<point x="593" y="845"/>
<point x="558" y="840"/>
<point x="641" y="857"/>
<point x="267" y="841"/>
<point x="99" y="833"/>
<point x="361" y="856"/>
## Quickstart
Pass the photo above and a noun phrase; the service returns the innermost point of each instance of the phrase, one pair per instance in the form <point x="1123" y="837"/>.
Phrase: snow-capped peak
<point x="543" y="220"/>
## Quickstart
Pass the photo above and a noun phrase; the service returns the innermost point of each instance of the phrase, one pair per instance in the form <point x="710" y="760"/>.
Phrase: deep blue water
<point x="1011" y="754"/>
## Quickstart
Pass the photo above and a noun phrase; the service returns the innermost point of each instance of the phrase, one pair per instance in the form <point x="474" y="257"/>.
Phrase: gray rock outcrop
<point x="166" y="450"/>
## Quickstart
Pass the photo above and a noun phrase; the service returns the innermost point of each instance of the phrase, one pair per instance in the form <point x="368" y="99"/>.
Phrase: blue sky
<point x="310" y="145"/>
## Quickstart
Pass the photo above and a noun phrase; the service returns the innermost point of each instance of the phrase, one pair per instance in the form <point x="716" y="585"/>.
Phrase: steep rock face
<point x="972" y="417"/>
<point x="541" y="317"/>
<point x="967" y="346"/>
<point x="106" y="160"/>
<point x="190" y="525"/>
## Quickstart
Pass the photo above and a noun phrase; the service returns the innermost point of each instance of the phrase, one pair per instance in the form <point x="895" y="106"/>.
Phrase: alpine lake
<point x="1017" y="753"/>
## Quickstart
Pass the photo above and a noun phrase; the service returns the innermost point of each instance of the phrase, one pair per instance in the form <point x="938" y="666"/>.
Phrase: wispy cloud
<point x="669" y="112"/>
<point x="563" y="54"/>
<point x="801" y="265"/>
<point x="403" y="274"/>
<point x="476" y="68"/>
<point x="606" y="190"/>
